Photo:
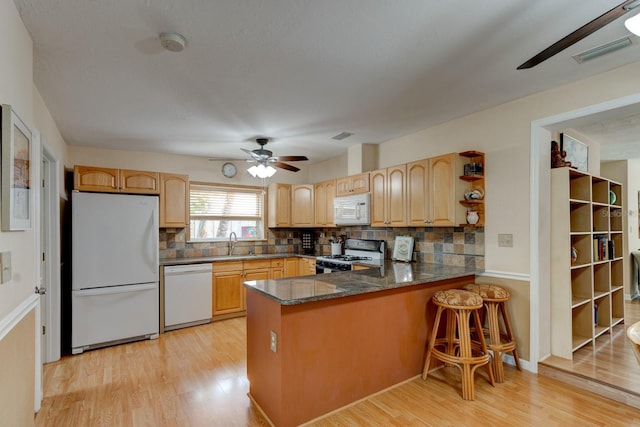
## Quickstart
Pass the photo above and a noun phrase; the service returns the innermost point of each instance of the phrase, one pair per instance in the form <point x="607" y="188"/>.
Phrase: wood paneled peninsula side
<point x="318" y="343"/>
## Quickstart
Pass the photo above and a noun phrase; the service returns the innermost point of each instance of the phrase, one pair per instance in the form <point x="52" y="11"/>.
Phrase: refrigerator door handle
<point x="153" y="240"/>
<point x="114" y="290"/>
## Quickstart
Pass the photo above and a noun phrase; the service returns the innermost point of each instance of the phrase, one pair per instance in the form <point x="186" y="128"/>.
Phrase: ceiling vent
<point x="341" y="136"/>
<point x="604" y="49"/>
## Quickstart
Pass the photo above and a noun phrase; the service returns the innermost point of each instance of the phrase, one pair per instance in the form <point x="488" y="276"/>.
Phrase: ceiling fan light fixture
<point x="261" y="171"/>
<point x="604" y="49"/>
<point x="633" y="24"/>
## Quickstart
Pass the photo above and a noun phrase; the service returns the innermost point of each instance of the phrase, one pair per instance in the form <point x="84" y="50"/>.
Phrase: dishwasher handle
<point x="175" y="270"/>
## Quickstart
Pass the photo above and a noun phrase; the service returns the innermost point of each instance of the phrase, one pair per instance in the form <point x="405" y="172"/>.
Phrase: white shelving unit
<point x="587" y="294"/>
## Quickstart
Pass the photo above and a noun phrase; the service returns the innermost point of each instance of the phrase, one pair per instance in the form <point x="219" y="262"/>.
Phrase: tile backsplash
<point x="441" y="245"/>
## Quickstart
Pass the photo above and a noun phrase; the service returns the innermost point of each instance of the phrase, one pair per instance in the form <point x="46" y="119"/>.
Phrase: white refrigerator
<point x="115" y="285"/>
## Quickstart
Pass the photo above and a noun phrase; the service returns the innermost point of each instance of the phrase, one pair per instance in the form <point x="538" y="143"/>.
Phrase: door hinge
<point x="44" y="329"/>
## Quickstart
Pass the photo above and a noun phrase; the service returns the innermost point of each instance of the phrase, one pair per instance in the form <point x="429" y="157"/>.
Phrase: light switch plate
<point x="5" y="267"/>
<point x="505" y="240"/>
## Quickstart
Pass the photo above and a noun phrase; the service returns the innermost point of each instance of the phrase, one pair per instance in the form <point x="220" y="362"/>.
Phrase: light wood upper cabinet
<point x="324" y="193"/>
<point x="174" y="200"/>
<point x="302" y="207"/>
<point x="279" y="205"/>
<point x="388" y="197"/>
<point x="353" y="184"/>
<point x="433" y="192"/>
<point x="109" y="180"/>
<point x="139" y="182"/>
<point x="443" y="199"/>
<point x="417" y="198"/>
<point x="90" y="178"/>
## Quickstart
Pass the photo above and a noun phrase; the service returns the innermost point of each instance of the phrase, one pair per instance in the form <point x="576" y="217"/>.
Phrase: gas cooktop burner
<point x="348" y="257"/>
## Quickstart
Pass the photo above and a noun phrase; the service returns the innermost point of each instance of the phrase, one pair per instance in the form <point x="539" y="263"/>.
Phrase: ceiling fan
<point x="265" y="157"/>
<point x="582" y="32"/>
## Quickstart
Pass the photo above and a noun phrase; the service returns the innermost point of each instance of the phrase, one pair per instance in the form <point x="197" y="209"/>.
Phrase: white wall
<point x="16" y="89"/>
<point x="633" y="188"/>
<point x="504" y="134"/>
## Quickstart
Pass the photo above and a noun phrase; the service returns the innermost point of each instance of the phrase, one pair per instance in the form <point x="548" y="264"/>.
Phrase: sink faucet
<point x="233" y="239"/>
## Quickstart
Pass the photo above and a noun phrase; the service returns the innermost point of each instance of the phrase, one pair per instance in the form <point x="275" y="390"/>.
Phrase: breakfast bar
<point x="318" y="343"/>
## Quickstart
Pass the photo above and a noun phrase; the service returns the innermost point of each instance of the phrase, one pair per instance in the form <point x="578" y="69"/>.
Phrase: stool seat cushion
<point x="458" y="297"/>
<point x="488" y="291"/>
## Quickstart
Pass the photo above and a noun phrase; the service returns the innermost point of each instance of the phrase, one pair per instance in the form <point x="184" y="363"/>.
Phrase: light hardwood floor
<point x="611" y="360"/>
<point x="197" y="377"/>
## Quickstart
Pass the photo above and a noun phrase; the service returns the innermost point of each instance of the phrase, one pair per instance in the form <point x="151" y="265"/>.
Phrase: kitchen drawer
<point x="257" y="263"/>
<point x="227" y="266"/>
<point x="278" y="262"/>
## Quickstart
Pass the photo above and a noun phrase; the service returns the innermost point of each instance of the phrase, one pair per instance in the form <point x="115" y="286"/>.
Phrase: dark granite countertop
<point x="203" y="260"/>
<point x="298" y="290"/>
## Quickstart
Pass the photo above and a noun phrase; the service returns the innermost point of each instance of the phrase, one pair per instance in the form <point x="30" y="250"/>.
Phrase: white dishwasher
<point x="187" y="295"/>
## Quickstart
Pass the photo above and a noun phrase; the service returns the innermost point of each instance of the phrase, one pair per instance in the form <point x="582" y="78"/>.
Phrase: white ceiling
<point x="296" y="71"/>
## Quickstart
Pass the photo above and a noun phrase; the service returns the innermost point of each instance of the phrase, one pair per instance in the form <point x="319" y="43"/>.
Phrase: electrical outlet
<point x="274" y="342"/>
<point x="505" y="240"/>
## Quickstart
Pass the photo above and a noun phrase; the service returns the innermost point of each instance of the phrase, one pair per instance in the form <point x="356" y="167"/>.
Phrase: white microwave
<point x="352" y="210"/>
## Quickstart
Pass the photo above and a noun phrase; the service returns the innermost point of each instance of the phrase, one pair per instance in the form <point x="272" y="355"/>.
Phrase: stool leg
<point x="495" y="341"/>
<point x="432" y="341"/>
<point x="483" y="345"/>
<point x="468" y="391"/>
<point x="507" y="325"/>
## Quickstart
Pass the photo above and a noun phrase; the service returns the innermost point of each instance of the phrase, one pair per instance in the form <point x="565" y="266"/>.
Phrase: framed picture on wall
<point x="16" y="171"/>
<point x="576" y="152"/>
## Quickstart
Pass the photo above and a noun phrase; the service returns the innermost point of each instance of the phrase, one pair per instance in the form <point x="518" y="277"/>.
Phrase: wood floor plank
<point x="197" y="377"/>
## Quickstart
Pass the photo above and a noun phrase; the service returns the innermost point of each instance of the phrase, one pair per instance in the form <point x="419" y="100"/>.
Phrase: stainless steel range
<point x="362" y="251"/>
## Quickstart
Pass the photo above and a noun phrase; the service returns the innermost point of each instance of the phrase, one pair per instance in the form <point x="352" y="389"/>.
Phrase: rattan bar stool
<point x="456" y="347"/>
<point x="501" y="339"/>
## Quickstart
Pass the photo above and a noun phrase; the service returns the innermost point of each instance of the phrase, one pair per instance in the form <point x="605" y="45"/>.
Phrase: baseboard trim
<point x="17" y="314"/>
<point x="506" y="275"/>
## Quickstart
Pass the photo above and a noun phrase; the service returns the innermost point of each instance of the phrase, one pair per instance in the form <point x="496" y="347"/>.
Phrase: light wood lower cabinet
<point x="291" y="267"/>
<point x="306" y="266"/>
<point x="228" y="291"/>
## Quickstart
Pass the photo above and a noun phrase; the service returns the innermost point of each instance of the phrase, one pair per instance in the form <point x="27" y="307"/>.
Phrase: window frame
<point x="244" y="188"/>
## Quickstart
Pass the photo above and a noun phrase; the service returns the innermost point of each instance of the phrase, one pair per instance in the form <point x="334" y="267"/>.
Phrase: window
<point x="218" y="210"/>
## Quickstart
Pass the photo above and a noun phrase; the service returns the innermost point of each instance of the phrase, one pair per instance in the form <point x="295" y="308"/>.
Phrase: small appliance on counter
<point x="369" y="252"/>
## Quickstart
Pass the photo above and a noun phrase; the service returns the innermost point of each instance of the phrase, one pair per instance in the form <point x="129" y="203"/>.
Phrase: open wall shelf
<point x="587" y="263"/>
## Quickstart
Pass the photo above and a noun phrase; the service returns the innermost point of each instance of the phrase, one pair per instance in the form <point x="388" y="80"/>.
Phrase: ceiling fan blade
<point x="286" y="166"/>
<point x="230" y="159"/>
<point x="252" y="154"/>
<point x="292" y="158"/>
<point x="582" y="32"/>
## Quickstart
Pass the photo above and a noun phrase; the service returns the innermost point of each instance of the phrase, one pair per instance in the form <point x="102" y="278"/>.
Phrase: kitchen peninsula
<point x="318" y="343"/>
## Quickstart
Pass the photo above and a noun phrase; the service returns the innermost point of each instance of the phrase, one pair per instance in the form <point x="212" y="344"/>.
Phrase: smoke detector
<point x="173" y="42"/>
